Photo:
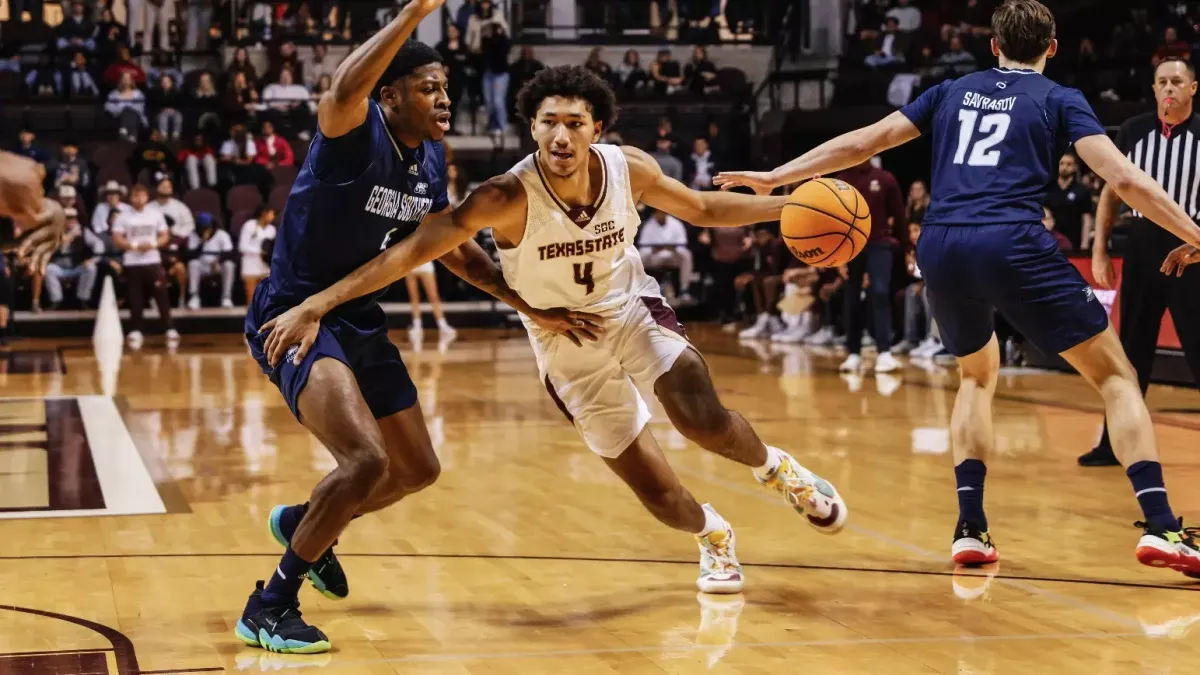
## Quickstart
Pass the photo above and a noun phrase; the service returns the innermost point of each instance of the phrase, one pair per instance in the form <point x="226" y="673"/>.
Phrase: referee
<point x="1166" y="145"/>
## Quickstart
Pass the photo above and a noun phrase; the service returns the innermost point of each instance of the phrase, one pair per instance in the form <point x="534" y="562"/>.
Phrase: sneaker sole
<point x="721" y="587"/>
<point x="1151" y="553"/>
<point x="277" y="645"/>
<point x="973" y="552"/>
<point x="277" y="535"/>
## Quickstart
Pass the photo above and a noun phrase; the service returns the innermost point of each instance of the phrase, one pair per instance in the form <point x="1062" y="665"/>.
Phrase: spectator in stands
<point x="666" y="130"/>
<point x="110" y="35"/>
<point x="319" y="64"/>
<point x="460" y="69"/>
<point x="238" y="165"/>
<point x="917" y="317"/>
<point x="74" y="259"/>
<point x="153" y="156"/>
<point x="111" y="195"/>
<point x="271" y="150"/>
<point x="1171" y="47"/>
<point x="701" y="167"/>
<point x="729" y="250"/>
<point x="630" y="76"/>
<point x="165" y="102"/>
<point x="68" y="196"/>
<point x="323" y="85"/>
<point x="10" y="62"/>
<point x="240" y="63"/>
<point x="1064" y="244"/>
<point x="124" y="64"/>
<point x="873" y="267"/>
<point x="426" y="276"/>
<point x="666" y="73"/>
<point x="241" y="100"/>
<point x="719" y="144"/>
<point x="494" y="48"/>
<point x="670" y="164"/>
<point x="76" y="31"/>
<point x="26" y="147"/>
<point x="70" y="169"/>
<point x="176" y="213"/>
<point x="598" y="65"/>
<point x="204" y="105"/>
<point x="907" y="16"/>
<point x="127" y="105"/>
<point x="917" y="204"/>
<point x="663" y="245"/>
<point x="456" y="185"/>
<point x="701" y="74"/>
<point x="195" y="157"/>
<point x="973" y="18"/>
<point x="210" y="253"/>
<point x="79" y="81"/>
<point x="290" y="103"/>
<point x="957" y="61"/>
<point x="284" y="58"/>
<point x="143" y="17"/>
<point x="199" y="17"/>
<point x="163" y="63"/>
<point x="891" y="48"/>
<point x="462" y="19"/>
<point x="140" y="233"/>
<point x="45" y="79"/>
<point x="1071" y="203"/>
<point x="255" y="234"/>
<point x="764" y="281"/>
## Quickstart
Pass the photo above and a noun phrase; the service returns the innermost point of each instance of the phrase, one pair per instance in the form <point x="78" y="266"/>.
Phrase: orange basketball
<point x="825" y="222"/>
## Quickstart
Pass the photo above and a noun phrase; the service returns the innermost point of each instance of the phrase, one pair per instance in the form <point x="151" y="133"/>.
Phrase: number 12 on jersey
<point x="995" y="125"/>
<point x="583" y="276"/>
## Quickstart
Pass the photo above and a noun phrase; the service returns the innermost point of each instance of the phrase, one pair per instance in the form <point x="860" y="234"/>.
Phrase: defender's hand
<point x="1179" y="259"/>
<point x="425" y="7"/>
<point x="39" y="241"/>
<point x="21" y="188"/>
<point x="296" y="327"/>
<point x="760" y="181"/>
<point x="577" y="326"/>
<point x="1102" y="269"/>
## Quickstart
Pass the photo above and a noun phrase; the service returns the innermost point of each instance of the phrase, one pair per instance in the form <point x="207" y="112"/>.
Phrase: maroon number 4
<point x="583" y="276"/>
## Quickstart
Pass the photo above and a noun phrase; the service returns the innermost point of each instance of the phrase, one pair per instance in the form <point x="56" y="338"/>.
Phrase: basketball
<point x="825" y="222"/>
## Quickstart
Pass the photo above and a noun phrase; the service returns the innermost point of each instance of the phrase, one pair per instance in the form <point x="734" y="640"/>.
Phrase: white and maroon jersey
<point x="580" y="258"/>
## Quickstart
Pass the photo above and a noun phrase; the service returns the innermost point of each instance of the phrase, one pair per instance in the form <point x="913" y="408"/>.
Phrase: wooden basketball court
<point x="134" y="494"/>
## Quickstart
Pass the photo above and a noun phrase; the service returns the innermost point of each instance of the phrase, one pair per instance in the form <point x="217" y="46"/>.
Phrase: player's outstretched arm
<point x="21" y="189"/>
<point x="1137" y="189"/>
<point x="702" y="209"/>
<point x="344" y="106"/>
<point x="849" y="149"/>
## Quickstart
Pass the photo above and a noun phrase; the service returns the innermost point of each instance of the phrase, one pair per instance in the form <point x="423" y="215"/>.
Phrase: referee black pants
<point x="1146" y="294"/>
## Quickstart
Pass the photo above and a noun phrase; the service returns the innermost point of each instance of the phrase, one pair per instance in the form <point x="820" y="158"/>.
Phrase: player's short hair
<point x="1024" y="29"/>
<point x="412" y="55"/>
<point x="569" y="82"/>
<point x="1187" y="65"/>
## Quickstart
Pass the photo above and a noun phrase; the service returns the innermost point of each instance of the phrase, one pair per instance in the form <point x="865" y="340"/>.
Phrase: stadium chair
<point x="48" y="118"/>
<point x="12" y="87"/>
<point x="236" y="221"/>
<point x="243" y="198"/>
<point x="279" y="197"/>
<point x="204" y="199"/>
<point x="112" y="154"/>
<point x="734" y="83"/>
<point x="284" y="175"/>
<point x="84" y="117"/>
<point x="117" y="172"/>
<point x="300" y="149"/>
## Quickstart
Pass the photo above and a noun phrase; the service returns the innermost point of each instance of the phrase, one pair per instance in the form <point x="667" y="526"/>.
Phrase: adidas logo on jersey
<point x="582" y="218"/>
<point x="413" y="170"/>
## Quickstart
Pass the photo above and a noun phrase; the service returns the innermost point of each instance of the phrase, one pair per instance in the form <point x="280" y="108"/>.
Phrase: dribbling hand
<point x="576" y="326"/>
<point x="296" y="327"/>
<point x="1179" y="259"/>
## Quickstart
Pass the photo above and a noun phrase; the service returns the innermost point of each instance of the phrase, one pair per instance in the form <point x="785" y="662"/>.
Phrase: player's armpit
<point x="701" y="209"/>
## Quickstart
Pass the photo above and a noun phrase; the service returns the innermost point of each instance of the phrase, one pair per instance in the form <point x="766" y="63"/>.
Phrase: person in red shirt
<point x="124" y="62"/>
<point x="882" y="194"/>
<point x="272" y="150"/>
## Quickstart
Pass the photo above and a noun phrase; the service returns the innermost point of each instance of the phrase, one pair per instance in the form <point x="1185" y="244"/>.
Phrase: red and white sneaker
<point x="972" y="545"/>
<point x="719" y="568"/>
<point x="809" y="494"/>
<point x="1175" y="549"/>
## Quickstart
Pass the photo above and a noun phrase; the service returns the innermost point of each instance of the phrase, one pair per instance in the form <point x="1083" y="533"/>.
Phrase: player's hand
<point x="576" y="326"/>
<point x="297" y="328"/>
<point x="425" y="7"/>
<point x="21" y="188"/>
<point x="1179" y="259"/>
<point x="1102" y="269"/>
<point x="40" y="240"/>
<point x="760" y="181"/>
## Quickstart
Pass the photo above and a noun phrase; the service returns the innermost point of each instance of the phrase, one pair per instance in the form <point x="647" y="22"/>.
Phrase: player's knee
<point x="363" y="469"/>
<point x="416" y="473"/>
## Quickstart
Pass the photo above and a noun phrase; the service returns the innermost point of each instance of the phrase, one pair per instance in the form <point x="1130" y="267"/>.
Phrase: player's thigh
<point x="644" y="468"/>
<point x="1042" y="294"/>
<point x="1100" y="358"/>
<point x="594" y="393"/>
<point x="966" y="323"/>
<point x="332" y="408"/>
<point x="382" y="376"/>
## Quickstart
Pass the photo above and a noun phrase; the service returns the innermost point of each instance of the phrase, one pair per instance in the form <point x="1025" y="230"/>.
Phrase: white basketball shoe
<point x="809" y="494"/>
<point x="719" y="568"/>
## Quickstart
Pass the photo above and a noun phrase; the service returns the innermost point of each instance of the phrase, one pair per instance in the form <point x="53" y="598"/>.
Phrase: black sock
<point x="969" y="476"/>
<point x="1151" y="495"/>
<point x="290" y="519"/>
<point x="285" y="583"/>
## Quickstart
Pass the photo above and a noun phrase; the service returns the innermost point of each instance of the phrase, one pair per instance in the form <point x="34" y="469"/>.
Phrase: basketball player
<point x="374" y="171"/>
<point x="997" y="136"/>
<point x="565" y="220"/>
<point x="37" y="222"/>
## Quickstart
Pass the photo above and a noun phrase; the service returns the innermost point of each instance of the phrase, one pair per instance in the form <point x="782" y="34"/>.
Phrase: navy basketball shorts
<point x="382" y="376"/>
<point x="972" y="271"/>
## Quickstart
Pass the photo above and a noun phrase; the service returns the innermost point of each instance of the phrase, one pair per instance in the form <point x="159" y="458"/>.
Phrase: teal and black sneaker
<point x="278" y="628"/>
<point x="326" y="575"/>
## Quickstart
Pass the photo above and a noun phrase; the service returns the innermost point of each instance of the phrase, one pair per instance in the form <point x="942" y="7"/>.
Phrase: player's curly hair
<point x="1023" y="29"/>
<point x="412" y="55"/>
<point x="569" y="82"/>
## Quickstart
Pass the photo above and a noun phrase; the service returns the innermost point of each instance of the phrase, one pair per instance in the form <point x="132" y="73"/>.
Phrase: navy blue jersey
<point x="997" y="138"/>
<point x="355" y="195"/>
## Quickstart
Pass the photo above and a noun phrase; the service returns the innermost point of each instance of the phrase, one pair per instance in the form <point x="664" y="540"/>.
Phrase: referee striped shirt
<point x="1169" y="154"/>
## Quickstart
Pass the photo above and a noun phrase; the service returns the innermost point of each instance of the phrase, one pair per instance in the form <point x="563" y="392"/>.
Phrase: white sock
<point x="774" y="458"/>
<point x="712" y="521"/>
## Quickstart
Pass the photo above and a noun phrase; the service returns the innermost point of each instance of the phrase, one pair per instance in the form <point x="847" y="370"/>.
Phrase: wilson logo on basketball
<point x="805" y="254"/>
